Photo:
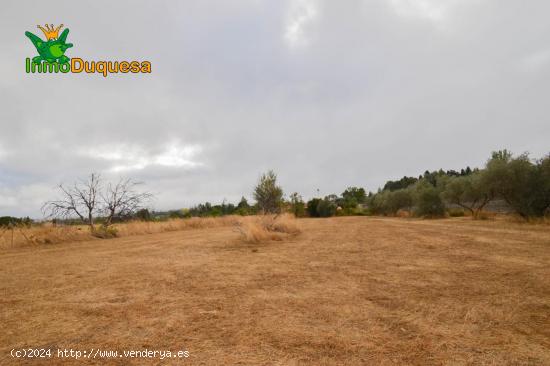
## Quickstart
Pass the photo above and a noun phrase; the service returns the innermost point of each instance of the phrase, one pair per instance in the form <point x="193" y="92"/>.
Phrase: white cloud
<point x="300" y="14"/>
<point x="25" y="199"/>
<point x="135" y="157"/>
<point x="434" y="10"/>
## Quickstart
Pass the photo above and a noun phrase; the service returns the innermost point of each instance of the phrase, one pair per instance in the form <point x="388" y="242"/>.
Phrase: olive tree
<point x="427" y="200"/>
<point x="522" y="183"/>
<point x="389" y="202"/>
<point x="469" y="192"/>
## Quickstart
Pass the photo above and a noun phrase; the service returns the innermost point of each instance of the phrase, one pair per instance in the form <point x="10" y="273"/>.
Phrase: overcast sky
<point x="329" y="94"/>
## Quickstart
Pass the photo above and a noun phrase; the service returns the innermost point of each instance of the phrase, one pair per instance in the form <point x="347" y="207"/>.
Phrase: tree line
<point x="519" y="181"/>
<point x="522" y="183"/>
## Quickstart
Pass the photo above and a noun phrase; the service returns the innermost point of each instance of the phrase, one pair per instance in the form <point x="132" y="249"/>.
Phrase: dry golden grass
<point x="141" y="227"/>
<point x="43" y="234"/>
<point x="48" y="234"/>
<point x="346" y="291"/>
<point x="256" y="229"/>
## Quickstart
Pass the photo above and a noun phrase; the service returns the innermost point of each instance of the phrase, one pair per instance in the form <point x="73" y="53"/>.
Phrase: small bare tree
<point x="88" y="198"/>
<point x="122" y="199"/>
<point x="80" y="199"/>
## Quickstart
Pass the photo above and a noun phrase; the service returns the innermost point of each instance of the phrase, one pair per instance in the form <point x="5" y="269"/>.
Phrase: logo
<point x="53" y="48"/>
<point x="52" y="59"/>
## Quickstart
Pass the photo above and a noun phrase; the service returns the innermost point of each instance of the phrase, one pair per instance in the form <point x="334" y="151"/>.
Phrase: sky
<point x="328" y="94"/>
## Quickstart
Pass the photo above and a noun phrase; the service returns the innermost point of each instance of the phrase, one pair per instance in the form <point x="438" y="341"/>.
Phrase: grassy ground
<point x="347" y="291"/>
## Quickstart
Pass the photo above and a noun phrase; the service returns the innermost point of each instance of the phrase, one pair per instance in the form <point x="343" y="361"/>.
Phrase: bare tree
<point x="88" y="198"/>
<point x="122" y="199"/>
<point x="81" y="200"/>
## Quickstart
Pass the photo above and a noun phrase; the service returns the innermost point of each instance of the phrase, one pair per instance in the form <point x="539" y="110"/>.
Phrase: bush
<point x="177" y="214"/>
<point x="15" y="221"/>
<point x="144" y="215"/>
<point x="242" y="211"/>
<point x="312" y="207"/>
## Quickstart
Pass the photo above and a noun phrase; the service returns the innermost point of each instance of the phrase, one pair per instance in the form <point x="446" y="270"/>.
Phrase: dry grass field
<point x="346" y="291"/>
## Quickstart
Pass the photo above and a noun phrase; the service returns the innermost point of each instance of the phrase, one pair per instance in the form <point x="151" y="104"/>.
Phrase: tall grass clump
<point x="256" y="229"/>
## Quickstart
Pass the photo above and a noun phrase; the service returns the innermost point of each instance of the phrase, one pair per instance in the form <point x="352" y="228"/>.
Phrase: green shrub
<point x="143" y="215"/>
<point x="243" y="211"/>
<point x="297" y="205"/>
<point x="15" y="221"/>
<point x="312" y="207"/>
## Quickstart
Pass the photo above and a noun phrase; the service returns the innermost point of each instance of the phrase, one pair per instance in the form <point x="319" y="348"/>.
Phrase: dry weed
<point x="255" y="229"/>
<point x="49" y="234"/>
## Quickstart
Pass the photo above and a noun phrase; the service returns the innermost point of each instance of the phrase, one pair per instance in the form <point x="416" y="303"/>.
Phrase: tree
<point x="354" y="196"/>
<point x="469" y="192"/>
<point x="397" y="200"/>
<point x="389" y="202"/>
<point x="243" y="208"/>
<point x="312" y="207"/>
<point x="427" y="200"/>
<point x="87" y="198"/>
<point x="326" y="207"/>
<point x="122" y="199"/>
<point x="376" y="202"/>
<point x="297" y="205"/>
<point x="400" y="184"/>
<point x="243" y="203"/>
<point x="80" y="199"/>
<point x="268" y="194"/>
<point x="524" y="185"/>
<point x="544" y="173"/>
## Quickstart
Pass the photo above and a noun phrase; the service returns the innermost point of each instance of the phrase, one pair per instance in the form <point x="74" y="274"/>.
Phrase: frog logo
<point x="53" y="49"/>
<point x="52" y="59"/>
